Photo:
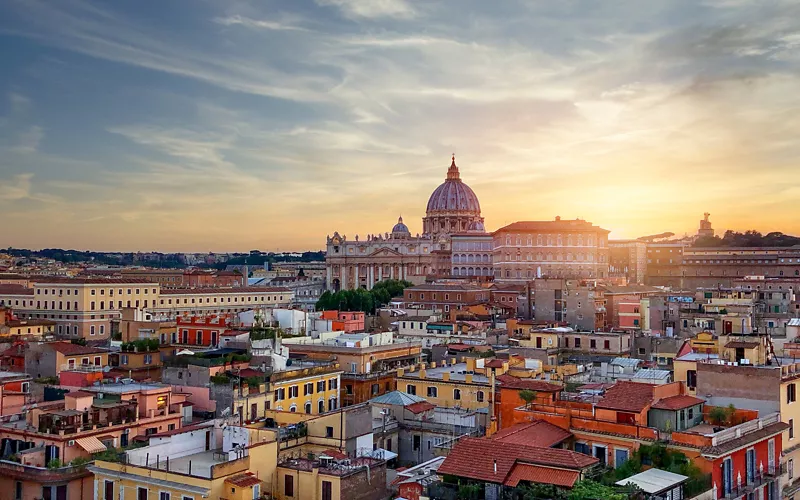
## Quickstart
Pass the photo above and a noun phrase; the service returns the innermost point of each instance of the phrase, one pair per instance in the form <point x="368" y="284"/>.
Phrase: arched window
<point x="559" y="240"/>
<point x="508" y="240"/>
<point x="580" y="240"/>
<point x="308" y="407"/>
<point x="530" y="240"/>
<point x="538" y="240"/>
<point x="569" y="240"/>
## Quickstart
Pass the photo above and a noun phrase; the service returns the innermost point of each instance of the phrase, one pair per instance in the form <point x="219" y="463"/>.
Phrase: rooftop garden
<point x="141" y="345"/>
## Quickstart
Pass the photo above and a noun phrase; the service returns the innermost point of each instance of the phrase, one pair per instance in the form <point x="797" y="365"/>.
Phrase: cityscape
<point x="241" y="260"/>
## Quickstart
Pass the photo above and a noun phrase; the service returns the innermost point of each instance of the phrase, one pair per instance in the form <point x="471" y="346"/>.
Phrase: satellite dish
<point x="106" y="369"/>
<point x="226" y="412"/>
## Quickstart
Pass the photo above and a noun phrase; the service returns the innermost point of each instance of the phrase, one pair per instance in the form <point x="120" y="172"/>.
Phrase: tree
<point x="591" y="490"/>
<point x="527" y="396"/>
<point x="361" y="299"/>
<point x="718" y="415"/>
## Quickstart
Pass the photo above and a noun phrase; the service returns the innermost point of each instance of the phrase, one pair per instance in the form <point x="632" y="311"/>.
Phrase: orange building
<point x="349" y="321"/>
<point x="202" y="330"/>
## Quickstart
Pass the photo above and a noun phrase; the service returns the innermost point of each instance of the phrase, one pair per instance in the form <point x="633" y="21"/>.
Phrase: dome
<point x="400" y="228"/>
<point x="453" y="195"/>
<point x="476" y="226"/>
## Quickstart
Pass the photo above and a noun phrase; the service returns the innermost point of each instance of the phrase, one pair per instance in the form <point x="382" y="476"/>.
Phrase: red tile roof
<point x="338" y="455"/>
<point x="196" y="291"/>
<point x="70" y="349"/>
<point x="511" y="382"/>
<point x="243" y="480"/>
<point x="536" y="433"/>
<point x="12" y="289"/>
<point x="476" y="458"/>
<point x="420" y="406"/>
<point x="627" y="396"/>
<point x="742" y="345"/>
<point x="459" y="347"/>
<point x="543" y="475"/>
<point x="677" y="403"/>
<point x="495" y="363"/>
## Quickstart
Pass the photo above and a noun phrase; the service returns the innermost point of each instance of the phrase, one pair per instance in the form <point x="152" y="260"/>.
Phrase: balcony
<point x="42" y="475"/>
<point x="83" y="368"/>
<point x="759" y="479"/>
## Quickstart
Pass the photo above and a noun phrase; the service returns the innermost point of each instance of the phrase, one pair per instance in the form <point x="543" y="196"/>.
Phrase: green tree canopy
<point x="361" y="299"/>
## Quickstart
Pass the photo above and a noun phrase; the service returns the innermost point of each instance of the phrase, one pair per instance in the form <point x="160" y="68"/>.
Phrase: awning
<point x="91" y="444"/>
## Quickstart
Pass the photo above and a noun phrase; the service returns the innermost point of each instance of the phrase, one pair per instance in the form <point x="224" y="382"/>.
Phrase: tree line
<point x="361" y="299"/>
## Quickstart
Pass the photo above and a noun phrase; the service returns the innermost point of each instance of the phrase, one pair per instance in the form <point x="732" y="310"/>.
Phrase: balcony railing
<point x="81" y="368"/>
<point x="760" y="478"/>
<point x="42" y="475"/>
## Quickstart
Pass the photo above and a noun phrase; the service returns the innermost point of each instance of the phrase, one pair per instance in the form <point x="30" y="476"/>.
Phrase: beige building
<point x="82" y="307"/>
<point x="204" y="301"/>
<point x="557" y="249"/>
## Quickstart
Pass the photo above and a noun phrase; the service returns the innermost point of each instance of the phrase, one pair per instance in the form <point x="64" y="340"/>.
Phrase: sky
<point x="227" y="125"/>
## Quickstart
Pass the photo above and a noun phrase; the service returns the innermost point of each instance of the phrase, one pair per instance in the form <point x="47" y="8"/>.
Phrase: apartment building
<point x="45" y="449"/>
<point x="527" y="250"/>
<point x="741" y="455"/>
<point x="205" y="301"/>
<point x="82" y="307"/>
<point x="49" y="359"/>
<point x="368" y="366"/>
<point x="13" y="328"/>
<point x="214" y="459"/>
<point x="573" y="302"/>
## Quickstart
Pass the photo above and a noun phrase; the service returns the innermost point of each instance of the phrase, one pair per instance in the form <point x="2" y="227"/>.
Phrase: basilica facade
<point x="452" y="209"/>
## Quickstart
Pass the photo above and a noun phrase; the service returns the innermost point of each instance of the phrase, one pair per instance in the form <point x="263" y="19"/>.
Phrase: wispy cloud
<point x="272" y="124"/>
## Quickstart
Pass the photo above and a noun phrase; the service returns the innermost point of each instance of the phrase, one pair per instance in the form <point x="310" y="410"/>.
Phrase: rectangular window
<point x="141" y="493"/>
<point x="606" y="345"/>
<point x="327" y="490"/>
<point x="288" y="485"/>
<point x="329" y="432"/>
<point x="577" y="342"/>
<point x="164" y="495"/>
<point x="432" y="392"/>
<point x="691" y="379"/>
<point x="791" y="428"/>
<point x="791" y="393"/>
<point x="417" y="442"/>
<point x="593" y="343"/>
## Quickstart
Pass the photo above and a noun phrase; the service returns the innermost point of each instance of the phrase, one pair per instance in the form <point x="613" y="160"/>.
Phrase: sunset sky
<point x="214" y="125"/>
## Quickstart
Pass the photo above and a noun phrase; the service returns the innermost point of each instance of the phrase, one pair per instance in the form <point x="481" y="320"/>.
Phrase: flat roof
<point x="121" y="388"/>
<point x="454" y="371"/>
<point x="654" y="481"/>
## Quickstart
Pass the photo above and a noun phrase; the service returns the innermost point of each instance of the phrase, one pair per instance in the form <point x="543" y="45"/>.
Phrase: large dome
<point x="453" y="195"/>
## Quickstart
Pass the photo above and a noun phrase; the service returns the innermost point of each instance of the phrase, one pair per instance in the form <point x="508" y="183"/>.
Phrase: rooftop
<point x="653" y="481"/>
<point x="627" y="396"/>
<point x="202" y="291"/>
<point x="492" y="461"/>
<point x="120" y="388"/>
<point x="397" y="398"/>
<point x="70" y="349"/>
<point x="457" y="372"/>
<point x="551" y="225"/>
<point x="511" y="382"/>
<point x="677" y="403"/>
<point x="11" y="289"/>
<point x="536" y="433"/>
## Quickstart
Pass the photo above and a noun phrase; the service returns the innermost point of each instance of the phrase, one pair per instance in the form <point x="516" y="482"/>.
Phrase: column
<point x="358" y="278"/>
<point x="343" y="277"/>
<point x="380" y="272"/>
<point x="330" y="277"/>
<point x="391" y="272"/>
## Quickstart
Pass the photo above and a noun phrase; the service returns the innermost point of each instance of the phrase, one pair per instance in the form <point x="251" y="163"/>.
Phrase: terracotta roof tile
<point x="743" y="345"/>
<point x="70" y="349"/>
<point x="475" y="458"/>
<point x="544" y="475"/>
<point x="536" y="433"/>
<point x="243" y="480"/>
<point x="511" y="382"/>
<point x="677" y="403"/>
<point x="420" y="407"/>
<point x="627" y="396"/>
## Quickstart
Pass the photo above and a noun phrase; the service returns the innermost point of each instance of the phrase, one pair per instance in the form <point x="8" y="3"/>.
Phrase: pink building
<point x="353" y="320"/>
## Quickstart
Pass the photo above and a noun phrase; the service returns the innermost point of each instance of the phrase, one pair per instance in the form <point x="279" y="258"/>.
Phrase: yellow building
<point x="310" y="388"/>
<point x="212" y="460"/>
<point x="464" y="385"/>
<point x="705" y="342"/>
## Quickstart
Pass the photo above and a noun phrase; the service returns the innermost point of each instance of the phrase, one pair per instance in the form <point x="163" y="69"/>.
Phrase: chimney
<point x="445" y="376"/>
<point x="468" y="378"/>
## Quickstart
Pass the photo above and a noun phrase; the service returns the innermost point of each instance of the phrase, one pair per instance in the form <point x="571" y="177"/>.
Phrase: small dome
<point x="400" y="228"/>
<point x="476" y="226"/>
